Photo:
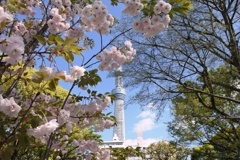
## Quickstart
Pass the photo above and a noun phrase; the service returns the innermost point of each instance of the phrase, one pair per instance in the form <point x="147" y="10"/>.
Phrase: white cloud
<point x="146" y="142"/>
<point x="146" y="122"/>
<point x="147" y="113"/>
<point x="151" y="106"/>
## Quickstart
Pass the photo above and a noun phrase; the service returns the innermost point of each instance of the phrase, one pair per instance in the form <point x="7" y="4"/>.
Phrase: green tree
<point x="193" y="122"/>
<point x="164" y="150"/>
<point x="205" y="152"/>
<point x="124" y="153"/>
<point x="195" y="65"/>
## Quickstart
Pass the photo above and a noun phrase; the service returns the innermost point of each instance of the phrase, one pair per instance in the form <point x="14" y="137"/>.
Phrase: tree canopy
<point x="193" y="67"/>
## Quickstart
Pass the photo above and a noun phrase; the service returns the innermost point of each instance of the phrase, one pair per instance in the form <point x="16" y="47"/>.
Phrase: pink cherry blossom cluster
<point x="36" y="25"/>
<point x="69" y="117"/>
<point x="95" y="105"/>
<point x="34" y="3"/>
<point x="19" y="28"/>
<point x="13" y="46"/>
<point x="60" y="3"/>
<point x="5" y="16"/>
<point x="115" y="57"/>
<point x="133" y="7"/>
<point x="63" y="116"/>
<point x="105" y="154"/>
<point x="42" y="132"/>
<point x="75" y="73"/>
<point x="75" y="32"/>
<point x="103" y="124"/>
<point x="28" y="9"/>
<point x="150" y="26"/>
<point x="9" y="107"/>
<point x="58" y="22"/>
<point x="162" y="7"/>
<point x="96" y="17"/>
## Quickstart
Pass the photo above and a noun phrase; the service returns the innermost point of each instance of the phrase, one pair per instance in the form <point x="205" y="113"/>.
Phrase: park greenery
<point x="43" y="44"/>
<point x="167" y="150"/>
<point x="193" y="69"/>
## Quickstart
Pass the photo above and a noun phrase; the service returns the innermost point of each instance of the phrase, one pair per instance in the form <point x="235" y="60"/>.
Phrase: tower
<point x="119" y="92"/>
<point x="139" y="137"/>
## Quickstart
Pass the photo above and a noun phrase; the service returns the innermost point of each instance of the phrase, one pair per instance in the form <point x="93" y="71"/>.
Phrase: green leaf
<point x="3" y="25"/>
<point x="94" y="71"/>
<point x="69" y="41"/>
<point x="60" y="77"/>
<point x="25" y="73"/>
<point x="114" y="2"/>
<point x="53" y="84"/>
<point x="37" y="80"/>
<point x="88" y="91"/>
<point x="75" y="49"/>
<point x="51" y="39"/>
<point x="40" y="39"/>
<point x="93" y="93"/>
<point x="59" y="41"/>
<point x="11" y="7"/>
<point x="41" y="74"/>
<point x="22" y="5"/>
<point x="23" y="140"/>
<point x="68" y="56"/>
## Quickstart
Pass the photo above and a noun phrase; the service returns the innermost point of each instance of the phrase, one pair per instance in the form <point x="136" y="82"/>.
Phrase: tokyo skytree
<point x="119" y="92"/>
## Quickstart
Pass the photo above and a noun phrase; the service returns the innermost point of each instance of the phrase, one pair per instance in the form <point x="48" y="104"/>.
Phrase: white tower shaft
<point x="119" y="93"/>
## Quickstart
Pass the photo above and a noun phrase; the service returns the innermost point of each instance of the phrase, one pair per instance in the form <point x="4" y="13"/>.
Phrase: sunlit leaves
<point x="51" y="39"/>
<point x="14" y="5"/>
<point x="114" y="2"/>
<point x="53" y="84"/>
<point x="180" y="6"/>
<point x="90" y="78"/>
<point x="65" y="48"/>
<point x="123" y="153"/>
<point x="40" y="39"/>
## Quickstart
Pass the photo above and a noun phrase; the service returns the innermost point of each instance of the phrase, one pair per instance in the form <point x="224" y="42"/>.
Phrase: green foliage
<point x="197" y="120"/>
<point x="114" y="2"/>
<point x="14" y="5"/>
<point x="165" y="150"/>
<point x="65" y="48"/>
<point x="124" y="153"/>
<point x="90" y="78"/>
<point x="29" y="86"/>
<point x="40" y="39"/>
<point x="180" y="6"/>
<point x="206" y="152"/>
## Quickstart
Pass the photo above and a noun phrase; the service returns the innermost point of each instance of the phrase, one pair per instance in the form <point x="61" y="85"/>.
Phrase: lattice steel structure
<point x="119" y="92"/>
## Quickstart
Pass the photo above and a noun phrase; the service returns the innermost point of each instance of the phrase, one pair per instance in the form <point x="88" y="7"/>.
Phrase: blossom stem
<point x="65" y="101"/>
